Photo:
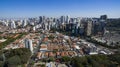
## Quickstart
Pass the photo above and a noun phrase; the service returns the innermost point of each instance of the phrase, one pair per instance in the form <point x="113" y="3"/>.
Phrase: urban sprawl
<point x="53" y="38"/>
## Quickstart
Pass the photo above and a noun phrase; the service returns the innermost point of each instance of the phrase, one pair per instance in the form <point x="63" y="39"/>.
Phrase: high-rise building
<point x="5" y="23"/>
<point x="42" y="19"/>
<point x="13" y="25"/>
<point x="103" y="17"/>
<point x="101" y="26"/>
<point x="28" y="44"/>
<point x="62" y="19"/>
<point x="67" y="19"/>
<point x="46" y="26"/>
<point x="89" y="27"/>
<point x="24" y="23"/>
<point x="34" y="28"/>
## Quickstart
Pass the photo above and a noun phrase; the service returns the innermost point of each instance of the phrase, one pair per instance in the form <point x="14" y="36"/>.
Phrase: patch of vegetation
<point x="15" y="57"/>
<point x="9" y="40"/>
<point x="95" y="61"/>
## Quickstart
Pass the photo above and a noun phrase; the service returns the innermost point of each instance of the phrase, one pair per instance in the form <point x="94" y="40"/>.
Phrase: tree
<point x="15" y="60"/>
<point x="43" y="65"/>
<point x="51" y="59"/>
<point x="1" y="63"/>
<point x="76" y="62"/>
<point x="65" y="59"/>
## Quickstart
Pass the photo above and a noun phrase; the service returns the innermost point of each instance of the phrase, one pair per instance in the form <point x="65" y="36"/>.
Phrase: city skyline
<point x="55" y="8"/>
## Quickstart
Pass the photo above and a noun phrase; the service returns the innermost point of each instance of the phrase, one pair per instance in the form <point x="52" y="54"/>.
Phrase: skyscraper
<point x="13" y="25"/>
<point x="89" y="27"/>
<point x="67" y="19"/>
<point x="28" y="44"/>
<point x="24" y="23"/>
<point x="62" y="19"/>
<point x="103" y="17"/>
<point x="40" y="19"/>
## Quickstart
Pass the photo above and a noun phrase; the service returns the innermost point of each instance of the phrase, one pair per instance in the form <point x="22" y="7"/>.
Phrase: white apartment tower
<point x="28" y="44"/>
<point x="12" y="25"/>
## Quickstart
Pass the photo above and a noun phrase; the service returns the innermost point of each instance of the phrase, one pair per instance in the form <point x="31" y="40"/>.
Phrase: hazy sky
<point x="55" y="8"/>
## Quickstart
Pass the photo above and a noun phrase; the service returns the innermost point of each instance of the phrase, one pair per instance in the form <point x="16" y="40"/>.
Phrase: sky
<point x="56" y="8"/>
